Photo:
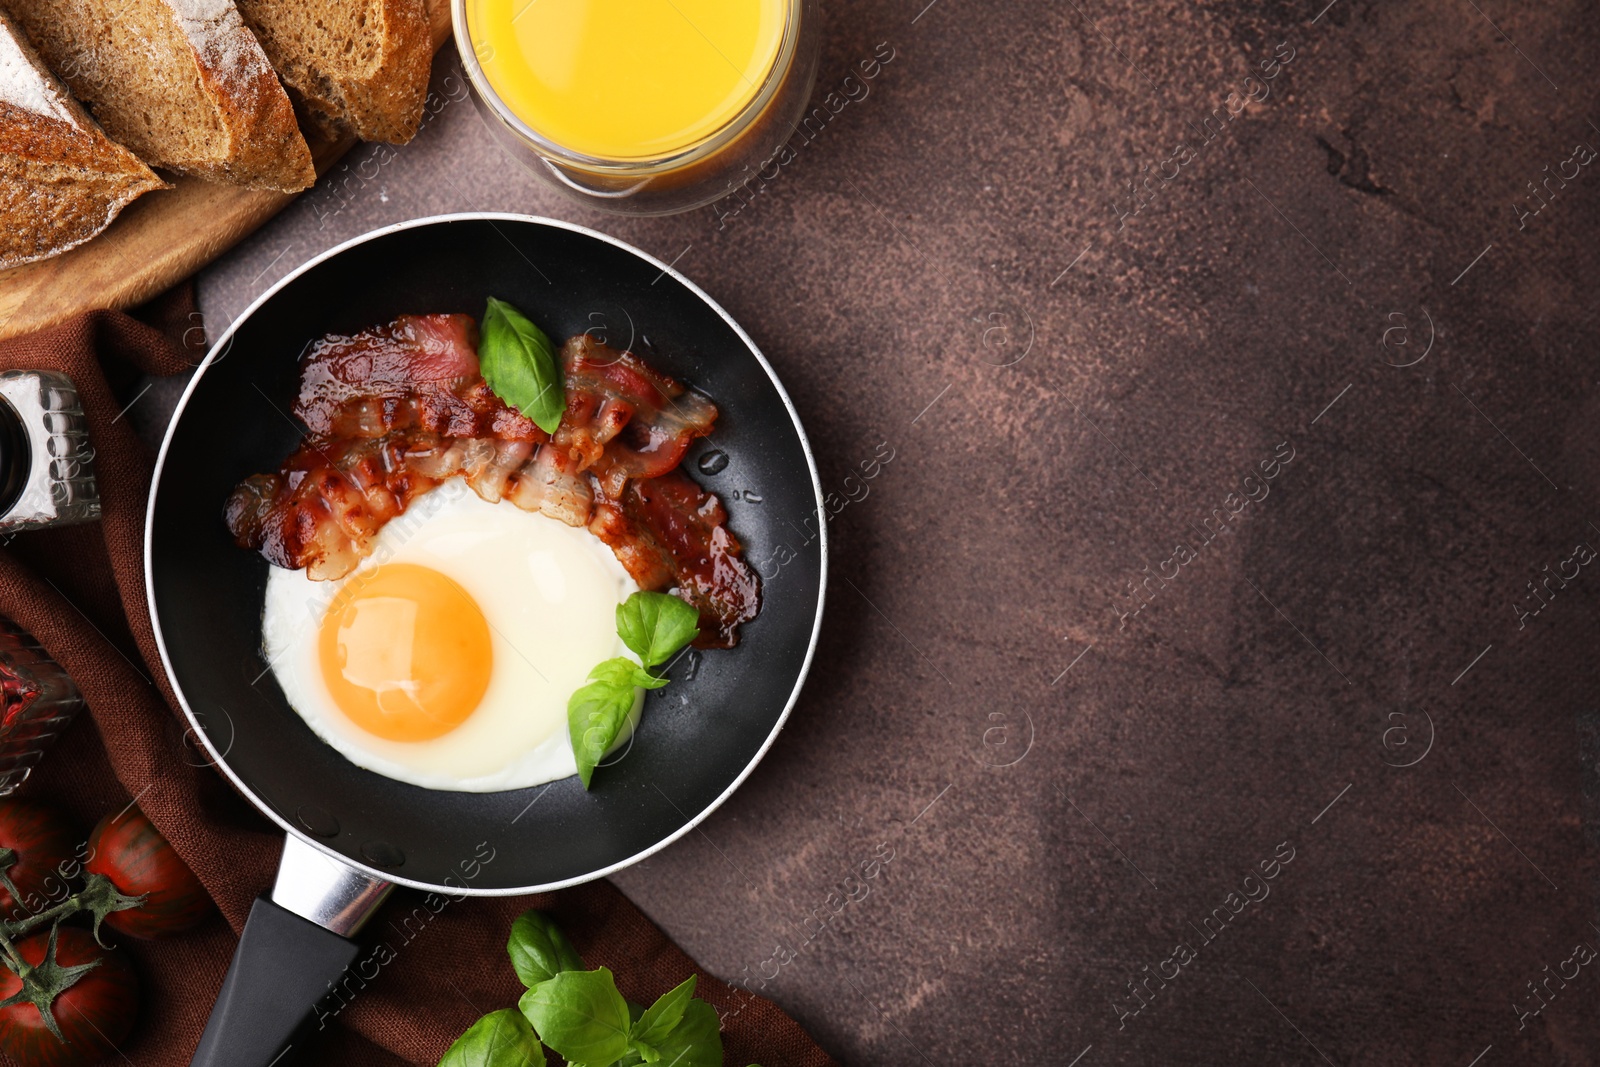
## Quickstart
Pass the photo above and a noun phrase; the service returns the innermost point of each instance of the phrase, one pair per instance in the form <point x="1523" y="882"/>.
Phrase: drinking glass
<point x="688" y="177"/>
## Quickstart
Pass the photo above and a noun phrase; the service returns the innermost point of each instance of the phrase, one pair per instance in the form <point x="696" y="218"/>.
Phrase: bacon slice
<point x="623" y="419"/>
<point x="667" y="531"/>
<point x="395" y="410"/>
<point x="420" y="371"/>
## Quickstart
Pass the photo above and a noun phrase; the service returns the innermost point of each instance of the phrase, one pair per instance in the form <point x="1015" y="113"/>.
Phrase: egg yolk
<point x="405" y="652"/>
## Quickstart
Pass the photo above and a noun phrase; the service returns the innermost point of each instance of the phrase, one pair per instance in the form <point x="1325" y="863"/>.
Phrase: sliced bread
<point x="61" y="179"/>
<point x="359" y="66"/>
<point x="183" y="83"/>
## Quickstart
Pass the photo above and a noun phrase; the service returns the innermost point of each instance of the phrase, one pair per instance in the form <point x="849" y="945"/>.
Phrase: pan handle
<point x="295" y="945"/>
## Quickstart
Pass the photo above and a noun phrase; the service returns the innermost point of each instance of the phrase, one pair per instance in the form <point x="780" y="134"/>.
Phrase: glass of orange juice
<point x="645" y="107"/>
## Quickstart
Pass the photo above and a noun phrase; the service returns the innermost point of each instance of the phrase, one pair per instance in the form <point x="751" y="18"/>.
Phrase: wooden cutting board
<point x="158" y="240"/>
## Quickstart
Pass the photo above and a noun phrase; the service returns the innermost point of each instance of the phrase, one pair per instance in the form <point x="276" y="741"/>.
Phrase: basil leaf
<point x="597" y="712"/>
<point x="581" y="1015"/>
<point x="696" y="1041"/>
<point x="500" y="1039"/>
<point x="657" y="1022"/>
<point x="595" y="715"/>
<point x="656" y="625"/>
<point x="519" y="363"/>
<point x="539" y="950"/>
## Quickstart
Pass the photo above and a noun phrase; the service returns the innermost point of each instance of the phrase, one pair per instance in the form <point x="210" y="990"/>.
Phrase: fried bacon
<point x="673" y="532"/>
<point x="395" y="410"/>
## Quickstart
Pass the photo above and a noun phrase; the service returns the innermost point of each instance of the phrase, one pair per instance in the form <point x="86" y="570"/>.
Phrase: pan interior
<point x="697" y="736"/>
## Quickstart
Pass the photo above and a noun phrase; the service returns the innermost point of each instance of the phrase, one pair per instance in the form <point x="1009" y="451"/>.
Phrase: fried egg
<point x="446" y="660"/>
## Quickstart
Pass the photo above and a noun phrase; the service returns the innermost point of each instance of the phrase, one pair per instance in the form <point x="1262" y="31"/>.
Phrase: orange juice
<point x="626" y="79"/>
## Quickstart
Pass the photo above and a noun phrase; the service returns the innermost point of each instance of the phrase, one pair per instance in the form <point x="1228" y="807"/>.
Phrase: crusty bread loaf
<point x="61" y="179"/>
<point x="183" y="83"/>
<point x="359" y="66"/>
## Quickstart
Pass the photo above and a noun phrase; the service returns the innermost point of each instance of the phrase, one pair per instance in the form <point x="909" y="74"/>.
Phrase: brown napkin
<point x="80" y="590"/>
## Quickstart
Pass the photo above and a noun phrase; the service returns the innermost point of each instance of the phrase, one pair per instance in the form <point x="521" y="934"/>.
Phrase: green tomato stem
<point x="19" y="966"/>
<point x="71" y="906"/>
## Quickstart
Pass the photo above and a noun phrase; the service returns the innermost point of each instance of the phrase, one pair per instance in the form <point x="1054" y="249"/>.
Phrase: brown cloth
<point x="80" y="591"/>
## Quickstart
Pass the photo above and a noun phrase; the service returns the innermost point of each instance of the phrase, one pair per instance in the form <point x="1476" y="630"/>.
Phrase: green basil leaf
<point x="519" y="363"/>
<point x="655" y="625"/>
<point x="581" y="1015"/>
<point x="500" y="1039"/>
<point x="696" y="1041"/>
<point x="656" y="1023"/>
<point x="539" y="950"/>
<point x="597" y="712"/>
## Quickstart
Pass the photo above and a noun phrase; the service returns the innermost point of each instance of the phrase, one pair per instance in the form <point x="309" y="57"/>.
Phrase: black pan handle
<point x="282" y="967"/>
<point x="294" y="947"/>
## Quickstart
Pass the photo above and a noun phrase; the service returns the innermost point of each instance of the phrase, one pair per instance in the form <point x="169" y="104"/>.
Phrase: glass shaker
<point x="46" y="461"/>
<point x="37" y="702"/>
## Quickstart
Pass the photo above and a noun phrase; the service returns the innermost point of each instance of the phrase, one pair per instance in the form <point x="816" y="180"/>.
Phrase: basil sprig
<point x="519" y="363"/>
<point x="654" y="626"/>
<point x="583" y="1016"/>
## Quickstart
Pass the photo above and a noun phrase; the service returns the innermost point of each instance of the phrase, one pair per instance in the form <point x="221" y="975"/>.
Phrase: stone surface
<point x="1073" y="382"/>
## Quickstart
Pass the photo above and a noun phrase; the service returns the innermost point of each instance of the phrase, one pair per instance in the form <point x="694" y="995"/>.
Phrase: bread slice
<point x="183" y="83"/>
<point x="357" y="66"/>
<point x="61" y="179"/>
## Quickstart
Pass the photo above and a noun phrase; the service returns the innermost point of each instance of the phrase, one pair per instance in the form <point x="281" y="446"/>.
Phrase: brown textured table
<point x="1086" y="667"/>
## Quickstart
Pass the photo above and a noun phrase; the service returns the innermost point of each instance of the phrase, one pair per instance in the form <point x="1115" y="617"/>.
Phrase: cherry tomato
<point x="95" y="1013"/>
<point x="129" y="850"/>
<point x="44" y="842"/>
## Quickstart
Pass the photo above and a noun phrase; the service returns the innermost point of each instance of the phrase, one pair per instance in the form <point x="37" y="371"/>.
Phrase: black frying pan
<point x="353" y="833"/>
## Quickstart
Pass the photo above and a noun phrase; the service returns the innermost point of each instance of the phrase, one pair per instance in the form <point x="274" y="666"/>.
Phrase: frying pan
<point x="354" y="834"/>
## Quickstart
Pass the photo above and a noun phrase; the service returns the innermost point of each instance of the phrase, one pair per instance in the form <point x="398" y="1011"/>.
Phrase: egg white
<point x="549" y="592"/>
